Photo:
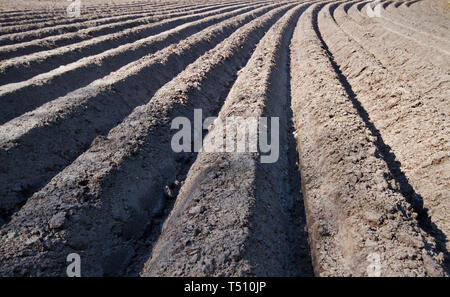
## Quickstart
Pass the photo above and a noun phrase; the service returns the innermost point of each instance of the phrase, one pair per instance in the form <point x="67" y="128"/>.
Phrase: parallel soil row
<point x="55" y="16"/>
<point x="50" y="137"/>
<point x="25" y="67"/>
<point x="356" y="214"/>
<point x="93" y="195"/>
<point x="27" y="95"/>
<point x="360" y="185"/>
<point x="24" y="43"/>
<point x="97" y="27"/>
<point x="66" y="20"/>
<point x="29" y="17"/>
<point x="230" y="217"/>
<point x="416" y="89"/>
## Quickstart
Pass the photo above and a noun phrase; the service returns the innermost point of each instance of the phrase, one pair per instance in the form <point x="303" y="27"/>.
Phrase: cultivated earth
<point x="362" y="183"/>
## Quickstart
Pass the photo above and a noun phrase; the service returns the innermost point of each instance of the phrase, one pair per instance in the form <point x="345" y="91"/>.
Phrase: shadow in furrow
<point x="412" y="2"/>
<point x="33" y="95"/>
<point x="293" y="198"/>
<point x="298" y="211"/>
<point x="18" y="71"/>
<point x="349" y="5"/>
<point x="153" y="230"/>
<point x="126" y="14"/>
<point x="361" y="5"/>
<point x="55" y="17"/>
<point x="103" y="111"/>
<point x="384" y="151"/>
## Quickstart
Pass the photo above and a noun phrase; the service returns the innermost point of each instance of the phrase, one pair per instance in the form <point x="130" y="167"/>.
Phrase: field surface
<point x="362" y="183"/>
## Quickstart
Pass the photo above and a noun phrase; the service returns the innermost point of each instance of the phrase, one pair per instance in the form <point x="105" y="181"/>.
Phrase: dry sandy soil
<point x="362" y="183"/>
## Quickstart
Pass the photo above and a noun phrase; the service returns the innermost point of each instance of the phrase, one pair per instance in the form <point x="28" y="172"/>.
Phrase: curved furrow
<point x="347" y="5"/>
<point x="111" y="196"/>
<point x="410" y="118"/>
<point x="48" y="43"/>
<point x="430" y="39"/>
<point x="386" y="4"/>
<point x="440" y="45"/>
<point x="233" y="216"/>
<point x="422" y="17"/>
<point x="19" y="98"/>
<point x="37" y="15"/>
<point x="352" y="203"/>
<point x="416" y="21"/>
<point x="417" y="72"/>
<point x="63" y="19"/>
<point x="441" y="37"/>
<point x="90" y="8"/>
<point x="360" y="6"/>
<point x="22" y="68"/>
<point x="57" y="15"/>
<point x="420" y="61"/>
<point x="95" y="28"/>
<point x="410" y="3"/>
<point x="27" y="25"/>
<point x="102" y="6"/>
<point x="72" y="23"/>
<point x="441" y="9"/>
<point x="430" y="8"/>
<point x="49" y="138"/>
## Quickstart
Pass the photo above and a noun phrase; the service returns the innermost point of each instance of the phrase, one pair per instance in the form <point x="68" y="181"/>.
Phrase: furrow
<point x="233" y="216"/>
<point x="434" y="9"/>
<point x="417" y="22"/>
<point x="386" y="4"/>
<point x="27" y="26"/>
<point x="25" y="67"/>
<point x="348" y="5"/>
<point x="359" y="223"/>
<point x="111" y="196"/>
<point x="439" y="45"/>
<point x="49" y="138"/>
<point x="412" y="118"/>
<point x="100" y="8"/>
<point x="63" y="19"/>
<point x="52" y="36"/>
<point x="419" y="73"/>
<point x="360" y="6"/>
<point x="36" y="16"/>
<point x="424" y="51"/>
<point x="48" y="43"/>
<point x="73" y="23"/>
<point x="19" y="98"/>
<point x="414" y="128"/>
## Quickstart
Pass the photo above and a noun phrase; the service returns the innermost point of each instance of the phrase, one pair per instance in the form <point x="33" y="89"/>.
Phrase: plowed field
<point x="361" y="186"/>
